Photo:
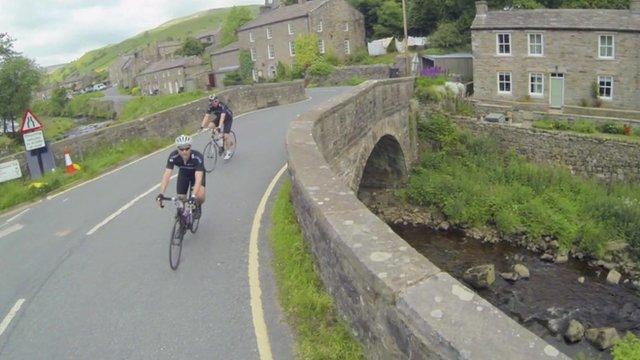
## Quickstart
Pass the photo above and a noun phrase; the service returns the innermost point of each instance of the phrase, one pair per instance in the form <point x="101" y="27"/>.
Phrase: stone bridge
<point x="400" y="305"/>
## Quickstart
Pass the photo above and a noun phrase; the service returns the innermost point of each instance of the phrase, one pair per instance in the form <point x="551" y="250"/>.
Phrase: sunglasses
<point x="184" y="148"/>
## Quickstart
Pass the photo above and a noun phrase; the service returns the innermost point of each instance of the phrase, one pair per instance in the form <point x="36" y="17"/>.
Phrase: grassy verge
<point x="475" y="184"/>
<point x="146" y="105"/>
<point x="56" y="127"/>
<point x="22" y="190"/>
<point x="611" y="129"/>
<point x="310" y="310"/>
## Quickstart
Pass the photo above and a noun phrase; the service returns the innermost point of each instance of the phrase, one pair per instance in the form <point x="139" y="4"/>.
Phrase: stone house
<point x="169" y="76"/>
<point x="270" y="37"/>
<point x="166" y="49"/>
<point x="209" y="38"/>
<point x="121" y="71"/>
<point x="557" y="57"/>
<point x="224" y="61"/>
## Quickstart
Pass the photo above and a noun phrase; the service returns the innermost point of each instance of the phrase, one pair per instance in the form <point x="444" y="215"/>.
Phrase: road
<point x="112" y="295"/>
<point x="112" y="94"/>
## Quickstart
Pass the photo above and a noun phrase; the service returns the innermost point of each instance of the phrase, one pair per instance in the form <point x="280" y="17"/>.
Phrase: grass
<point x="55" y="128"/>
<point x="310" y="310"/>
<point x="608" y="130"/>
<point x="146" y="105"/>
<point x="22" y="190"/>
<point x="471" y="181"/>
<point x="627" y="349"/>
<point x="80" y="106"/>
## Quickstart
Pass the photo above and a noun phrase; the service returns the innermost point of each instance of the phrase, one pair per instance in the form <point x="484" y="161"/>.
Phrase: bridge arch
<point x="385" y="166"/>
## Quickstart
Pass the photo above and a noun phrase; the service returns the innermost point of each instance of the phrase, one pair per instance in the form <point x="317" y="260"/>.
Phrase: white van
<point x="98" y="87"/>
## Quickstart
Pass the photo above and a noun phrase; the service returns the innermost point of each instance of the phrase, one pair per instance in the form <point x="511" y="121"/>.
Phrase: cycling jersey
<point x="218" y="110"/>
<point x="187" y="173"/>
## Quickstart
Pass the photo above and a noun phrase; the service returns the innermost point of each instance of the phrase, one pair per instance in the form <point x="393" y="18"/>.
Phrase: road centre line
<point x="18" y="215"/>
<point x="124" y="208"/>
<point x="257" y="312"/>
<point x="12" y="313"/>
<point x="11" y="229"/>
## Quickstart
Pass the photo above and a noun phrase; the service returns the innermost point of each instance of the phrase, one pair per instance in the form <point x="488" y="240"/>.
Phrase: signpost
<point x="38" y="154"/>
<point x="10" y="170"/>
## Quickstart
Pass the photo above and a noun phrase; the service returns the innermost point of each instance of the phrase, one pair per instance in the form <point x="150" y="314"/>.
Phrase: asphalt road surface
<point x="71" y="289"/>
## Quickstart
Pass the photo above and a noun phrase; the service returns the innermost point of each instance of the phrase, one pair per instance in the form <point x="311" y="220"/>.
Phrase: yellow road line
<point x="259" y="325"/>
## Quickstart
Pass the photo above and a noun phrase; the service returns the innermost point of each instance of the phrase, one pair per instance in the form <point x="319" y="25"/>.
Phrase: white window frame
<point x="292" y="49"/>
<point x="319" y="27"/>
<point x="269" y="32"/>
<point x="347" y="47"/>
<point x="529" y="43"/>
<point x="536" y="94"/>
<point x="271" y="51"/>
<point x="290" y="28"/>
<point x="600" y="87"/>
<point x="346" y="26"/>
<point x="251" y="38"/>
<point x="510" y="82"/>
<point x="254" y="55"/>
<point x="600" y="47"/>
<point x="498" y="44"/>
<point x="321" y="48"/>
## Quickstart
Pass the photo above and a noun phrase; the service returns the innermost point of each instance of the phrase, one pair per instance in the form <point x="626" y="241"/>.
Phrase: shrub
<point x="332" y="58"/>
<point x="627" y="349"/>
<point x="135" y="91"/>
<point x="626" y="129"/>
<point x="320" y="68"/>
<point x="611" y="128"/>
<point x="438" y="128"/>
<point x="584" y="126"/>
<point x="232" y="78"/>
<point x="355" y="80"/>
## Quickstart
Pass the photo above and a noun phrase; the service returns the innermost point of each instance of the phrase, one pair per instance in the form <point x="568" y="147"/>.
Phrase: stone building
<point x="121" y="71"/>
<point x="169" y="76"/>
<point x="209" y="38"/>
<point x="270" y="37"/>
<point x="224" y="61"/>
<point x="558" y="57"/>
<point x="166" y="49"/>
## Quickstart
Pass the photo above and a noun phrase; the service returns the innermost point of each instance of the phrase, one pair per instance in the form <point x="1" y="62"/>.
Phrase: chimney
<point x="482" y="8"/>
<point x="634" y="6"/>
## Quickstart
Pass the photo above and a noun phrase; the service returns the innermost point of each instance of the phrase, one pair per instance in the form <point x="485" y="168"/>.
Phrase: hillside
<point x="99" y="60"/>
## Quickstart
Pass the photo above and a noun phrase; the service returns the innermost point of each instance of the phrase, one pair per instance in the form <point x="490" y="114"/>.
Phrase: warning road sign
<point x="29" y="123"/>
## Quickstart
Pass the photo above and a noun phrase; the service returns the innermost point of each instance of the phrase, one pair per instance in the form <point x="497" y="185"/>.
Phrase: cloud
<point x="58" y="31"/>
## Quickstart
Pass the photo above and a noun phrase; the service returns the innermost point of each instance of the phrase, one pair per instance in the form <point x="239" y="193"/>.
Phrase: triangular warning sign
<point x="29" y="122"/>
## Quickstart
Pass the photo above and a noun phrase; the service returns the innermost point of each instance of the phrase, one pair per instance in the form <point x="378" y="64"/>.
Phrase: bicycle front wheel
<point x="175" y="245"/>
<point x="210" y="156"/>
<point x="233" y="143"/>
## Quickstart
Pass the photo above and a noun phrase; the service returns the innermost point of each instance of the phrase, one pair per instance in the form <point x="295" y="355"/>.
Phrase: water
<point x="547" y="301"/>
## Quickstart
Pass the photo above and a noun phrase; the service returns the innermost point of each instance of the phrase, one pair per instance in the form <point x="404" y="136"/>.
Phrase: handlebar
<point x="174" y="199"/>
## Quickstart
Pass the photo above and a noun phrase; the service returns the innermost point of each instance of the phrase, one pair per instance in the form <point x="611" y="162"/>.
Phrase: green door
<point x="556" y="95"/>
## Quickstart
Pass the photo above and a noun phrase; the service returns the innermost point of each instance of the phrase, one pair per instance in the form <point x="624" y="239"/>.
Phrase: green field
<point x="146" y="105"/>
<point x="99" y="60"/>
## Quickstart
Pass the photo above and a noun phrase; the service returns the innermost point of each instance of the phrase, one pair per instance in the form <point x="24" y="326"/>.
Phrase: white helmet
<point x="212" y="97"/>
<point x="183" y="140"/>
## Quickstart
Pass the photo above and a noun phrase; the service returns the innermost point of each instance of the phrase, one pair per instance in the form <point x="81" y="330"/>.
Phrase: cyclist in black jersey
<point x="191" y="173"/>
<point x="222" y="119"/>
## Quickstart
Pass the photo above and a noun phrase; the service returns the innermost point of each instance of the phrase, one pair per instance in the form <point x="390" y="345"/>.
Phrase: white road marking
<point x="124" y="208"/>
<point x="12" y="313"/>
<point x="11" y="229"/>
<point x="259" y="324"/>
<point x="18" y="215"/>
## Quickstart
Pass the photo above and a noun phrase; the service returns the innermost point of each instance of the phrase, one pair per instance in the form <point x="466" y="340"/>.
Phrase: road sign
<point x="10" y="170"/>
<point x="29" y="123"/>
<point x="33" y="140"/>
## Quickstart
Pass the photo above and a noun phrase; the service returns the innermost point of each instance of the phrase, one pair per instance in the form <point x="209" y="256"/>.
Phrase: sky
<point x="58" y="31"/>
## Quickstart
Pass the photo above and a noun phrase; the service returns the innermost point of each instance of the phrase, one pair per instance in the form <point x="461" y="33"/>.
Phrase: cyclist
<point x="223" y="119"/>
<point x="191" y="174"/>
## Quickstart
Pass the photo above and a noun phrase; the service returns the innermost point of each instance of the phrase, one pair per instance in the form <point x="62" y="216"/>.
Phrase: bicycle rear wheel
<point x="194" y="224"/>
<point x="175" y="245"/>
<point x="232" y="140"/>
<point x="210" y="156"/>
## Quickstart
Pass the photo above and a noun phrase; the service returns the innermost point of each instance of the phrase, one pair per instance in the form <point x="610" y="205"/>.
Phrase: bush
<point x="611" y="128"/>
<point x="447" y="35"/>
<point x="320" y="68"/>
<point x="232" y="78"/>
<point x="135" y="91"/>
<point x="438" y="128"/>
<point x="355" y="80"/>
<point x="331" y="58"/>
<point x="627" y="349"/>
<point x="585" y="126"/>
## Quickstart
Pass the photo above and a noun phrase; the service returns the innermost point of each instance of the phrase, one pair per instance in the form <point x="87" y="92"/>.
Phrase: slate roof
<point x="283" y="13"/>
<point x="575" y="19"/>
<point x="170" y="64"/>
<point x="230" y="47"/>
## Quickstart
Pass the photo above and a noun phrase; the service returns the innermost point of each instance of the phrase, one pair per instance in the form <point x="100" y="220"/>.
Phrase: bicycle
<point x="215" y="149"/>
<point x="184" y="220"/>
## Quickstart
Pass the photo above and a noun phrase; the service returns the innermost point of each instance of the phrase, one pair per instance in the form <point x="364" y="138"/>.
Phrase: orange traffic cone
<point x="67" y="161"/>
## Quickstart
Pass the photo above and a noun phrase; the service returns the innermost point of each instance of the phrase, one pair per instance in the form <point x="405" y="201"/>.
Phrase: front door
<point x="556" y="90"/>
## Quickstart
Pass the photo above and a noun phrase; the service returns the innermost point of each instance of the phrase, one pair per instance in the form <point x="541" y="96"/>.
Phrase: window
<point x="320" y="26"/>
<point x="253" y="54"/>
<point x="321" y="46"/>
<point x="504" y="44"/>
<point x="347" y="47"/>
<point x="605" y="45"/>
<point x="179" y="72"/>
<point x="346" y="26"/>
<point x="536" y="84"/>
<point x="271" y="52"/>
<point x="269" y="33"/>
<point x="605" y="87"/>
<point x="292" y="49"/>
<point x="251" y="38"/>
<point x="290" y="27"/>
<point x="504" y="82"/>
<point x="535" y="45"/>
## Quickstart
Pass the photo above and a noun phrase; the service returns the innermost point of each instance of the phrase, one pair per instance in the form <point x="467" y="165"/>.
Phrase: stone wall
<point x="341" y="75"/>
<point x="582" y="154"/>
<point x="399" y="304"/>
<point x="171" y="122"/>
<point x="488" y="106"/>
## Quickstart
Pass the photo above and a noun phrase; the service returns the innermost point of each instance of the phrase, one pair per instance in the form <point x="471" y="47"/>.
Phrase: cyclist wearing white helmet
<point x="191" y="174"/>
<point x="223" y="119"/>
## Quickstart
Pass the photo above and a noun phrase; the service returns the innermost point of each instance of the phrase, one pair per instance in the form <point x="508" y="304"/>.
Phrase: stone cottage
<point x="557" y="57"/>
<point x="270" y="37"/>
<point x="170" y="76"/>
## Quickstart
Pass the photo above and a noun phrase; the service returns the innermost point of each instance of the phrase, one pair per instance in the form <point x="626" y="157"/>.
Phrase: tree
<point x="6" y="46"/>
<point x="236" y="17"/>
<point x="19" y="78"/>
<point x="447" y="36"/>
<point x="58" y="101"/>
<point x="191" y="47"/>
<point x="307" y="51"/>
<point x="246" y="66"/>
<point x="368" y="8"/>
<point x="389" y="20"/>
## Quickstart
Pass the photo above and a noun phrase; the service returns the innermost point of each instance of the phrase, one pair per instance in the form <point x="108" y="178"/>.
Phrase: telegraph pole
<point x="406" y="38"/>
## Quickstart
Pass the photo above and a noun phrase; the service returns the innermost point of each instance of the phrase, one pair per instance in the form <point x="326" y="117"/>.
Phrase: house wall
<point x="574" y="53"/>
<point x="333" y="15"/>
<point x="168" y="81"/>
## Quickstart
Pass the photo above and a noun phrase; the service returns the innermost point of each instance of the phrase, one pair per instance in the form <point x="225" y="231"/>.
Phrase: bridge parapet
<point x="400" y="304"/>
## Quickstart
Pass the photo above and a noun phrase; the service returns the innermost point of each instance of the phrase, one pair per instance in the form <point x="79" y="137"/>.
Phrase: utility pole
<point x="406" y="38"/>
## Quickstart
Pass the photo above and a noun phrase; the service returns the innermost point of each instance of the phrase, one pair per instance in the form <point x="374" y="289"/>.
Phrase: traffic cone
<point x="67" y="161"/>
